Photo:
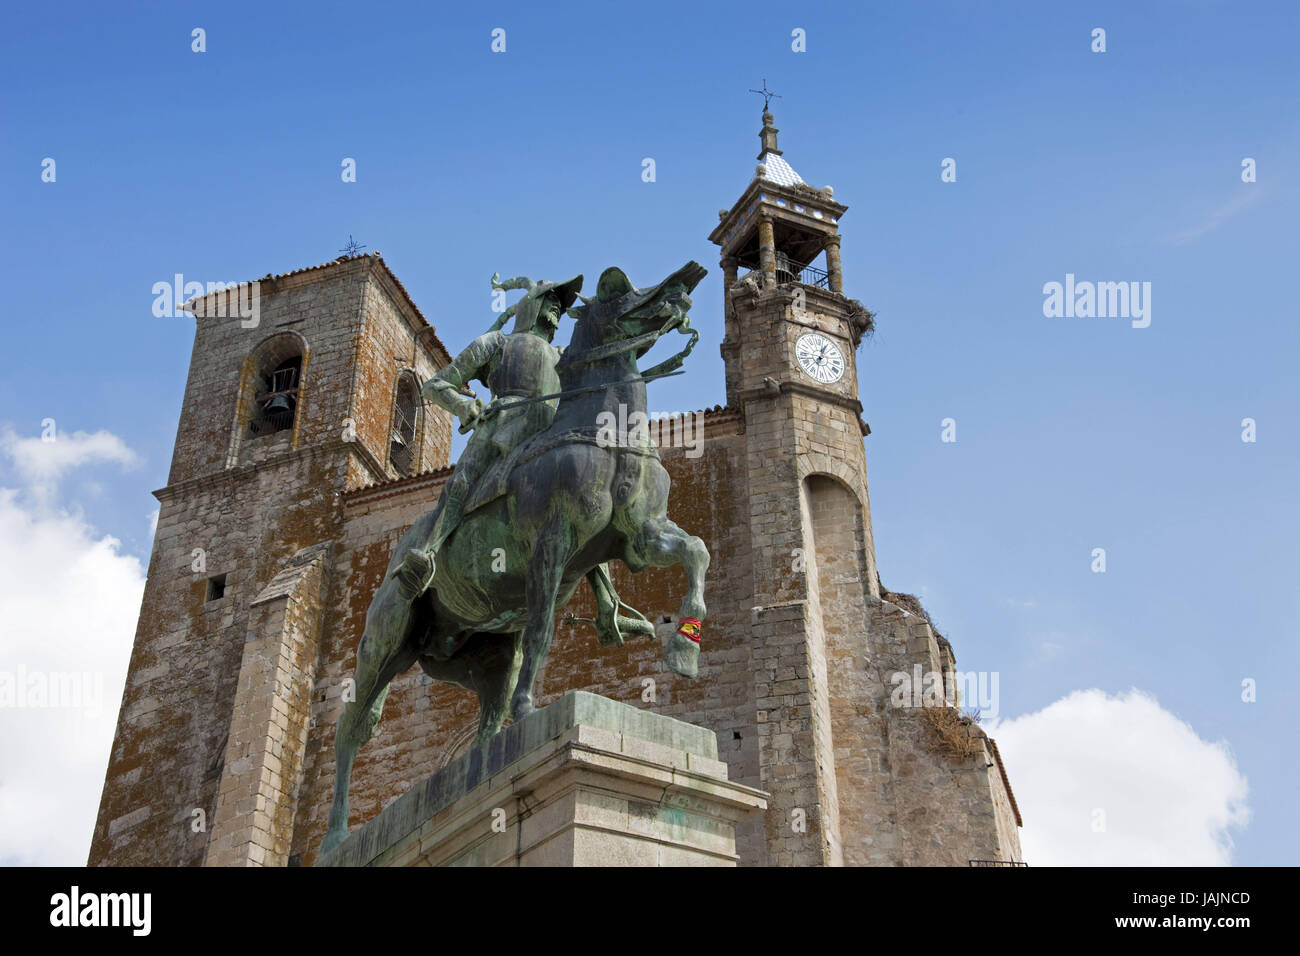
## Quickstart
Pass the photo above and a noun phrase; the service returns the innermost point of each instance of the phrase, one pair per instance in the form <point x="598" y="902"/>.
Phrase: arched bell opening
<point x="403" y="441"/>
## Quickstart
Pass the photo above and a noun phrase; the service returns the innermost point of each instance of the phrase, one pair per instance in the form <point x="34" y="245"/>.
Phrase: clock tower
<point x="790" y="352"/>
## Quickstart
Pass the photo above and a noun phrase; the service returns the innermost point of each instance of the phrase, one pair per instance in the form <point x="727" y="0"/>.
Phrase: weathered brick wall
<point x="169" y="748"/>
<point x="791" y="679"/>
<point x="935" y="807"/>
<point x="322" y="312"/>
<point x="258" y="794"/>
<point x="418" y="718"/>
<point x="837" y="573"/>
<point x="389" y="342"/>
<point x="796" y="429"/>
<point x="247" y="504"/>
<point x="425" y="724"/>
<point x="798" y="647"/>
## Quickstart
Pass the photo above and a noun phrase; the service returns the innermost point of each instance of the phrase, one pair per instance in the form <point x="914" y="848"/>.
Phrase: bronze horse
<point x="567" y="501"/>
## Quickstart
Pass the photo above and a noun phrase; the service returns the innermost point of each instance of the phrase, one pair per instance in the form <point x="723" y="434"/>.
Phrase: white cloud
<point x="69" y="600"/>
<point x="1019" y="602"/>
<point x="41" y="463"/>
<point x="1240" y="203"/>
<point x="1165" y="796"/>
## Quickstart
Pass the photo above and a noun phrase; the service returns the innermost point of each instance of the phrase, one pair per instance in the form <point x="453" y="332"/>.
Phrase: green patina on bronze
<point x="538" y="502"/>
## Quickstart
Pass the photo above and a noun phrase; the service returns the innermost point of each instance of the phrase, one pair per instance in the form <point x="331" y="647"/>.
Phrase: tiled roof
<point x="397" y="484"/>
<point x="1006" y="781"/>
<point x="779" y="171"/>
<point x="389" y="272"/>
<point x="396" y="281"/>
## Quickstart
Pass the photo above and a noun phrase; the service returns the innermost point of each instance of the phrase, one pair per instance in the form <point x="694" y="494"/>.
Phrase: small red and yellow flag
<point x="690" y="627"/>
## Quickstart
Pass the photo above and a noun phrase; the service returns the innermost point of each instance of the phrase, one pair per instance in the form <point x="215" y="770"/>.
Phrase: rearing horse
<point x="565" y="502"/>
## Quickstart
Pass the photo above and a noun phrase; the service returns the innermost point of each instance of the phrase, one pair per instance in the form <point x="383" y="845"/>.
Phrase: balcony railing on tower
<point x="810" y="275"/>
<point x="788" y="271"/>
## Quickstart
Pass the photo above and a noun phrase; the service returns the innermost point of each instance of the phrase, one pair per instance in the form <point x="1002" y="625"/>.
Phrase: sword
<point x="494" y="408"/>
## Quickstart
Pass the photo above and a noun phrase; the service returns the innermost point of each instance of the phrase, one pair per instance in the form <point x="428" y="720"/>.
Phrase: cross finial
<point x="767" y="94"/>
<point x="352" y="248"/>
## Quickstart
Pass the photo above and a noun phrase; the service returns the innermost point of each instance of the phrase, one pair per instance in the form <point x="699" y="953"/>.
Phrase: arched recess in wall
<point x="272" y="393"/>
<point x="837" y="580"/>
<point x="848" y="476"/>
<point x="839" y="532"/>
<point x="406" y="432"/>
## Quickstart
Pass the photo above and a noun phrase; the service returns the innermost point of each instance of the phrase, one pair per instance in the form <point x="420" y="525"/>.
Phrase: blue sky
<point x="1072" y="434"/>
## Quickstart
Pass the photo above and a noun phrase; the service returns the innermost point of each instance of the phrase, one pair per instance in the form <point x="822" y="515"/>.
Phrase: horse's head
<point x="620" y="312"/>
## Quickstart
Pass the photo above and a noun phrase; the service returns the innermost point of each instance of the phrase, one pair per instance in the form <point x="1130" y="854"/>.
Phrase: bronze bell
<point x="280" y="403"/>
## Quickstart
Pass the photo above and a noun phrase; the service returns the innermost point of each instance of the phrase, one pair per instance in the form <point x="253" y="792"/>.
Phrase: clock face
<point x="819" y="357"/>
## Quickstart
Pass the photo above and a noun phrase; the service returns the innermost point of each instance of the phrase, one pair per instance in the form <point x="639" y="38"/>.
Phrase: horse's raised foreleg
<point x="545" y="571"/>
<point x="385" y="651"/>
<point x="662" y="544"/>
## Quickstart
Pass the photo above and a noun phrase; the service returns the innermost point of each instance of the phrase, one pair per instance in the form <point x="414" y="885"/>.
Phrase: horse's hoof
<point x="521" y="708"/>
<point x="682" y="655"/>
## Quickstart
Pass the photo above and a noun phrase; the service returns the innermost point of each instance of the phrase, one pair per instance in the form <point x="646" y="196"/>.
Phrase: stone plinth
<point x="587" y="781"/>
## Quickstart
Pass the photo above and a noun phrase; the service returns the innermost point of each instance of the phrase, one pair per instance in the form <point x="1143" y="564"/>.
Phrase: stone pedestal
<point x="587" y="781"/>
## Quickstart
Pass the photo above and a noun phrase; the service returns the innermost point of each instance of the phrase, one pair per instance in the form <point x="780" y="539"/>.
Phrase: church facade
<point x="302" y="454"/>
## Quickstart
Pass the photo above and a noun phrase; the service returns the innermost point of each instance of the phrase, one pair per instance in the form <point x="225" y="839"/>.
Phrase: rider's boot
<point x="453" y="504"/>
<point x="414" y="574"/>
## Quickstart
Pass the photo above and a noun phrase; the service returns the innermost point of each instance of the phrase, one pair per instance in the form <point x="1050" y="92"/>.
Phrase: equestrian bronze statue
<point x="540" y="500"/>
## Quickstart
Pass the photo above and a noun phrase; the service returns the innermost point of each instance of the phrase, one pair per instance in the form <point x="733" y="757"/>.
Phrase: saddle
<point x="496" y="480"/>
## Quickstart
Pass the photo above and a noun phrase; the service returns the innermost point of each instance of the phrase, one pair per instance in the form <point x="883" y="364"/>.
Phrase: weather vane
<point x="352" y="248"/>
<point x="767" y="94"/>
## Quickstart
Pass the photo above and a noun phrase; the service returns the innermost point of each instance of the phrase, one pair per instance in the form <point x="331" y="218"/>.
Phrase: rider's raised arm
<point x="444" y="389"/>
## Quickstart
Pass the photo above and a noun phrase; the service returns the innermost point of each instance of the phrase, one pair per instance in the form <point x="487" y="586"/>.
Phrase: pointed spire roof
<point x="773" y="166"/>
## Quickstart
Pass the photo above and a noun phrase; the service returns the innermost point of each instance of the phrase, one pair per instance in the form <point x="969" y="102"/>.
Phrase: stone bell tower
<point x="288" y="405"/>
<point x="791" y="344"/>
<point x="824" y="641"/>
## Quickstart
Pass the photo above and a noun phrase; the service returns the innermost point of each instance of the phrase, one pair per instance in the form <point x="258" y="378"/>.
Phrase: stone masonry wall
<point x="426" y="724"/>
<point x="169" y="749"/>
<point x="244" y="516"/>
<point x="798" y="648"/>
<point x="258" y="794"/>
<point x="942" y="806"/>
<point x="387" y="344"/>
<point x="322" y="313"/>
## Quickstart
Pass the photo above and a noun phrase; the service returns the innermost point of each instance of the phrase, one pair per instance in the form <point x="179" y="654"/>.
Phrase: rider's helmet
<point x="527" y="308"/>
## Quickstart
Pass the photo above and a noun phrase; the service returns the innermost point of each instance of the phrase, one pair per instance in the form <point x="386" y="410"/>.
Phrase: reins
<point x="664" y="369"/>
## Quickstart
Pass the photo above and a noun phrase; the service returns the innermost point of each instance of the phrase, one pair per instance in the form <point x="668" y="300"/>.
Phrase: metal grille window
<point x="402" y="441"/>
